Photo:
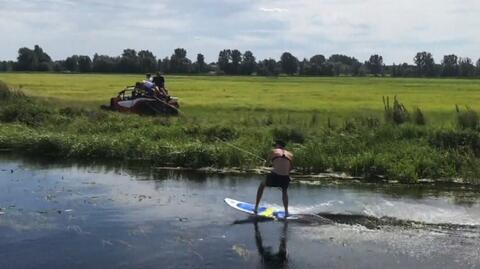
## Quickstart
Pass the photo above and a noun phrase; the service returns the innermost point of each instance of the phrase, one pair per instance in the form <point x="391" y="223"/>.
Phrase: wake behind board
<point x="264" y="212"/>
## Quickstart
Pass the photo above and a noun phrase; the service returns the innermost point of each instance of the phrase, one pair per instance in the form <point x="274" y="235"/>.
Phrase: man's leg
<point x="259" y="195"/>
<point x="285" y="200"/>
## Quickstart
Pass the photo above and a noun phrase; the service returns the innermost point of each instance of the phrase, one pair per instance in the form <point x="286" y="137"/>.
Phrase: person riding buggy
<point x="147" y="97"/>
<point x="153" y="86"/>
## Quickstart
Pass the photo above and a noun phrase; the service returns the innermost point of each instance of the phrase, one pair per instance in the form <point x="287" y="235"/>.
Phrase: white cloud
<point x="395" y="29"/>
<point x="274" y="9"/>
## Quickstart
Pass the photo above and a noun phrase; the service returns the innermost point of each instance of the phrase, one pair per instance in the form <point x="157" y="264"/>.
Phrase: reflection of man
<point x="270" y="259"/>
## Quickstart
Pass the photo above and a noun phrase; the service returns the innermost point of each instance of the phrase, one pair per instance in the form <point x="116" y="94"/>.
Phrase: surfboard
<point x="264" y="212"/>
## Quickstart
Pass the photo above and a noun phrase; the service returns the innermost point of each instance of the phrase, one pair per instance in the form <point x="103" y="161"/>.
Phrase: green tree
<point x="129" y="62"/>
<point x="355" y="68"/>
<point x="425" y="64"/>
<point x="478" y="67"/>
<point x="71" y="63"/>
<point x="236" y="57"/>
<point x="24" y="60"/>
<point x="344" y="64"/>
<point x="394" y="70"/>
<point x="179" y="63"/>
<point x="147" y="61"/>
<point x="289" y="63"/>
<point x="303" y="67"/>
<point x="224" y="60"/>
<point x="3" y="66"/>
<point x="6" y="66"/>
<point x="405" y="70"/>
<point x="41" y="60"/>
<point x="200" y="65"/>
<point x="84" y="64"/>
<point x="339" y="68"/>
<point x="105" y="64"/>
<point x="248" y="63"/>
<point x="268" y="67"/>
<point x="375" y="64"/>
<point x="450" y="65"/>
<point x="59" y="66"/>
<point x="41" y="55"/>
<point x="33" y="60"/>
<point x="328" y="69"/>
<point x="466" y="67"/>
<point x="317" y="65"/>
<point x="164" y="65"/>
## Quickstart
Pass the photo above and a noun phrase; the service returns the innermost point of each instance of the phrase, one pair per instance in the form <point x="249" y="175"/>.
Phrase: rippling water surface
<point x="68" y="216"/>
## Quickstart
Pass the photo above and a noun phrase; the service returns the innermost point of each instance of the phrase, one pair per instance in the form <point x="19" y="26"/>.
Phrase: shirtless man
<point x="282" y="162"/>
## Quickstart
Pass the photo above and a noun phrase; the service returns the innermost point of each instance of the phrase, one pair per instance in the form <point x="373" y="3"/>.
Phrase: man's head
<point x="279" y="144"/>
<point x="148" y="75"/>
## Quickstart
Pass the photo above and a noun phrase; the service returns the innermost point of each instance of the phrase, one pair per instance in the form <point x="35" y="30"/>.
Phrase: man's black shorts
<point x="275" y="180"/>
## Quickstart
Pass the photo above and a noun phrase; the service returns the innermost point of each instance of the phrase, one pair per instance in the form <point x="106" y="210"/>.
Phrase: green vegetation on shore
<point x="331" y="123"/>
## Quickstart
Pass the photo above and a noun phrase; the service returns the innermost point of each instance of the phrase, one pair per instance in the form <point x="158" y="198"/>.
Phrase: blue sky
<point x="396" y="29"/>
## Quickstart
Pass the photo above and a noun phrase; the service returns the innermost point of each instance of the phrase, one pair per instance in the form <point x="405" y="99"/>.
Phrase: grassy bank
<point x="329" y="124"/>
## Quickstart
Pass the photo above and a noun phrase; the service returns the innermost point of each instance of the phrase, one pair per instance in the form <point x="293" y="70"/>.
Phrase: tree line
<point x="234" y="62"/>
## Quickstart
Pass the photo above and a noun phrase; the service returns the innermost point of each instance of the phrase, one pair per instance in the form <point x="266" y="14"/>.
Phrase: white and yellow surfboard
<point x="265" y="212"/>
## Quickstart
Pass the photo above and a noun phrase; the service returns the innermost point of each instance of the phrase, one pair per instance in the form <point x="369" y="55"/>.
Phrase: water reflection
<point x="464" y="195"/>
<point x="110" y="217"/>
<point x="271" y="259"/>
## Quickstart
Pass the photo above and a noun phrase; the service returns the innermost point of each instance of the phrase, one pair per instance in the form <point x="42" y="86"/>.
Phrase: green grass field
<point x="330" y="97"/>
<point x="330" y="123"/>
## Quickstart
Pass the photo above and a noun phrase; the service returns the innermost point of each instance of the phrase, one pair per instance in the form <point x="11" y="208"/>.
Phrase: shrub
<point x="220" y="132"/>
<point x="330" y="124"/>
<point x="288" y="135"/>
<point x="457" y="140"/>
<point x="467" y="119"/>
<point x="191" y="129"/>
<point x="49" y="146"/>
<point x="6" y="93"/>
<point x="370" y="122"/>
<point x="397" y="114"/>
<point x="268" y="120"/>
<point x="410" y="131"/>
<point x="163" y="121"/>
<point x="193" y="155"/>
<point x="349" y="126"/>
<point x="363" y="164"/>
<point x="71" y="111"/>
<point x="315" y="119"/>
<point x="418" y="117"/>
<point x="24" y="111"/>
<point x="312" y="157"/>
<point x="97" y="116"/>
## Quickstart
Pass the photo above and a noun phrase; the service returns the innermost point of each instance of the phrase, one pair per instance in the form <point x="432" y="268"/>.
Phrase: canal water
<point x="72" y="216"/>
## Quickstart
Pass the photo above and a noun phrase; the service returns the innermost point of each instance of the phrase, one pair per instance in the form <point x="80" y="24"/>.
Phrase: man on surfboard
<point x="282" y="163"/>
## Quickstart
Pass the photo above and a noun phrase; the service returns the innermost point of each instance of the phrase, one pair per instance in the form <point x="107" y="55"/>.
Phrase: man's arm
<point x="291" y="161"/>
